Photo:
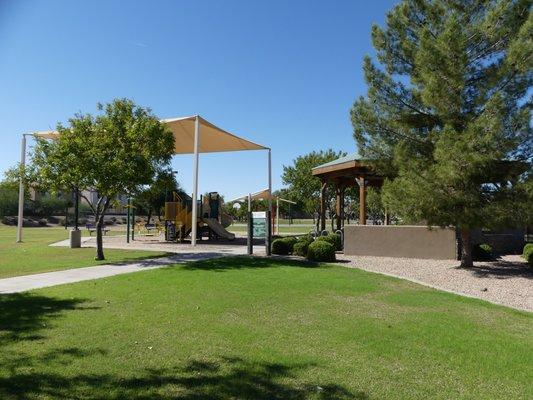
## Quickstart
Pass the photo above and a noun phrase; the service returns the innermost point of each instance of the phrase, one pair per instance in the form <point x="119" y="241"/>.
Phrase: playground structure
<point x="211" y="223"/>
<point x="192" y="135"/>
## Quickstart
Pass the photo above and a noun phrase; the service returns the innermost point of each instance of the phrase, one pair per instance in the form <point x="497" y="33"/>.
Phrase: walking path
<point x="182" y="253"/>
<point x="37" y="281"/>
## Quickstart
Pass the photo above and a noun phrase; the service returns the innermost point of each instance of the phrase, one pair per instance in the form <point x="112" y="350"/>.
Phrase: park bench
<point x="91" y="228"/>
<point x="149" y="228"/>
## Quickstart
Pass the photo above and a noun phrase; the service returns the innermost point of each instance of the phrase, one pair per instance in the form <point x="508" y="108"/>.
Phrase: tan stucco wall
<point x="400" y="241"/>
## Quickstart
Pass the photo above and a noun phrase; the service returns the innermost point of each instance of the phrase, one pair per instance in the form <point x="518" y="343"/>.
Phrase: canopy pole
<point x="195" y="181"/>
<point x="21" y="188"/>
<point x="269" y="219"/>
<point x="270" y="180"/>
<point x="277" y="215"/>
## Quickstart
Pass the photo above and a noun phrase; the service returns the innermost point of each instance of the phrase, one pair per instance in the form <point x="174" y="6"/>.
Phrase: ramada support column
<point x="339" y="205"/>
<point x="362" y="200"/>
<point x="323" y="206"/>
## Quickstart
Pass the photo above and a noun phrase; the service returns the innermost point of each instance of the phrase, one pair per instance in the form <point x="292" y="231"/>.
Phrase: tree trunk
<point x="99" y="226"/>
<point x="466" y="249"/>
<point x="149" y="215"/>
<point x="99" y="243"/>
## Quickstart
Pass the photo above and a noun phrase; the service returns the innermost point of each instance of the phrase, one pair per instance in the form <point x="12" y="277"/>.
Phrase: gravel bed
<point x="507" y="281"/>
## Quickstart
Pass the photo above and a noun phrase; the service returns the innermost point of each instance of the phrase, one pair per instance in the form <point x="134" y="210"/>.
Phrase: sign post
<point x="258" y="228"/>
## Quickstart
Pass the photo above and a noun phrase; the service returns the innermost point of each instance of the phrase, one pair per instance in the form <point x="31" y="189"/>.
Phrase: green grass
<point x="260" y="329"/>
<point x="282" y="229"/>
<point x="34" y="255"/>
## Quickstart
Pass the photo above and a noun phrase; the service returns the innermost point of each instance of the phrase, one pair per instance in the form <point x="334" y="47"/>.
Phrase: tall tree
<point x="152" y="197"/>
<point x="303" y="187"/>
<point x="115" y="152"/>
<point x="447" y="114"/>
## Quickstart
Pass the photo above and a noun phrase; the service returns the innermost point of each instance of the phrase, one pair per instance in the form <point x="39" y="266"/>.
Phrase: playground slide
<point x="218" y="229"/>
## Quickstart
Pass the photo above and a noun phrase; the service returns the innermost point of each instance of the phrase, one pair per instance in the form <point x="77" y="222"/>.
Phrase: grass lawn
<point x="260" y="329"/>
<point x="34" y="255"/>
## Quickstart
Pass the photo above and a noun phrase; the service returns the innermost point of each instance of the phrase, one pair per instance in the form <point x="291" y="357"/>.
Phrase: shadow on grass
<point x="225" y="378"/>
<point x="245" y="262"/>
<point x="23" y="315"/>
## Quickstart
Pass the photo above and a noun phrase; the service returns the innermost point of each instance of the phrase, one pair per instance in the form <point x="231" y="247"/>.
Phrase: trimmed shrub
<point x="333" y="239"/>
<point x="527" y="247"/>
<point x="528" y="254"/>
<point x="290" y="240"/>
<point x="301" y="246"/>
<point x="320" y="250"/>
<point x="482" y="252"/>
<point x="280" y="247"/>
<point x="300" y="249"/>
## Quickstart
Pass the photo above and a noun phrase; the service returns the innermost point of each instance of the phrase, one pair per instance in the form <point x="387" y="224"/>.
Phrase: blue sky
<point x="280" y="73"/>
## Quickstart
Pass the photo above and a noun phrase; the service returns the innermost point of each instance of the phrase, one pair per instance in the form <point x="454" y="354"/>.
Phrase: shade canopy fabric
<point x="212" y="138"/>
<point x="261" y="195"/>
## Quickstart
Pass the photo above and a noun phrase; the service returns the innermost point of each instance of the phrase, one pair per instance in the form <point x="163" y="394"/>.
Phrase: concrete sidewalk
<point x="36" y="281"/>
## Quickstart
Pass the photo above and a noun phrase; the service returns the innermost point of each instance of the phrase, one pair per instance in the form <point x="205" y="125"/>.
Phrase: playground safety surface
<point x="157" y="243"/>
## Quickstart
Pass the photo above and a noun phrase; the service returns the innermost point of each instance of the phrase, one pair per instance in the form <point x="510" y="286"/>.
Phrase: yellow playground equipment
<point x="212" y="222"/>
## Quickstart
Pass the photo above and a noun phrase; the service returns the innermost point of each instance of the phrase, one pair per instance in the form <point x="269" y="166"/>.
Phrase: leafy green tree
<point x="447" y="114"/>
<point x="374" y="204"/>
<point x="115" y="152"/>
<point x="8" y="199"/>
<point x="303" y="187"/>
<point x="151" y="198"/>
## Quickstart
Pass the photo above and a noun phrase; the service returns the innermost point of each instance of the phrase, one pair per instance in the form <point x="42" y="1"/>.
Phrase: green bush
<point x="482" y="252"/>
<point x="527" y="247"/>
<point x="321" y="250"/>
<point x="333" y="239"/>
<point x="528" y="253"/>
<point x="301" y="246"/>
<point x="290" y="240"/>
<point x="280" y="247"/>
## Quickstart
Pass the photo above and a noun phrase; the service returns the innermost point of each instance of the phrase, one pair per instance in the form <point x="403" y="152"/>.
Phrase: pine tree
<point x="447" y="114"/>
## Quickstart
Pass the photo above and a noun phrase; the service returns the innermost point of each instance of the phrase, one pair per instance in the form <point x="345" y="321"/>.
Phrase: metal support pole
<point x="323" y="206"/>
<point x="269" y="214"/>
<point x="76" y="208"/>
<point x="250" y="239"/>
<point x="128" y="222"/>
<point x="268" y="233"/>
<point x="132" y="221"/>
<point x="277" y="215"/>
<point x="195" y="181"/>
<point x="21" y="189"/>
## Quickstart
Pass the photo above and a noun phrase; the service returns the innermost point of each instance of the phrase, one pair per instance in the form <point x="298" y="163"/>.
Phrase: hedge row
<point x="321" y="249"/>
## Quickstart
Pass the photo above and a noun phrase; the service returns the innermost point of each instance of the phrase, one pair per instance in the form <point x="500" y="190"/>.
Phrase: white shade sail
<point x="261" y="195"/>
<point x="212" y="140"/>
